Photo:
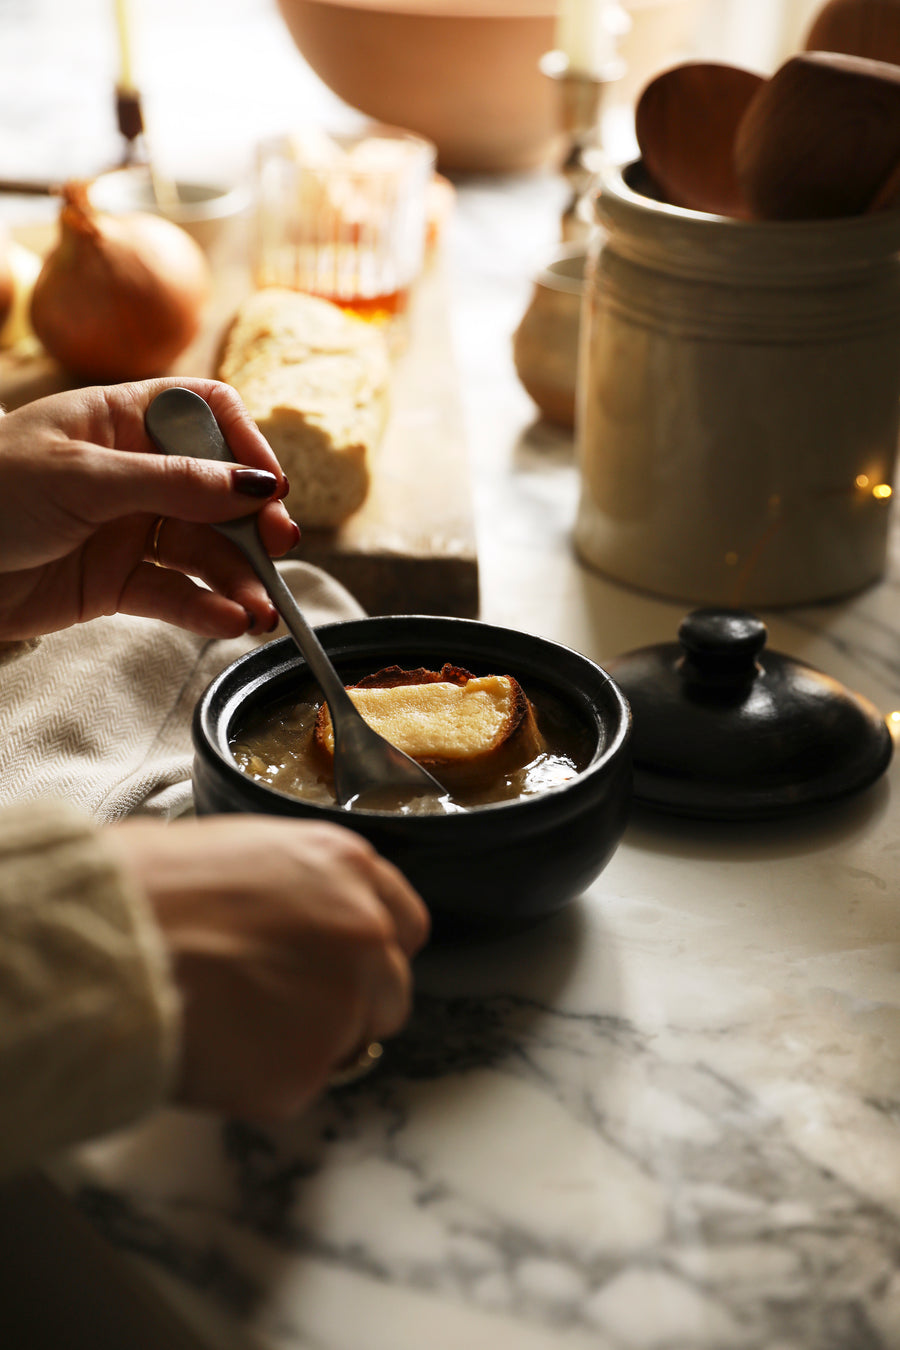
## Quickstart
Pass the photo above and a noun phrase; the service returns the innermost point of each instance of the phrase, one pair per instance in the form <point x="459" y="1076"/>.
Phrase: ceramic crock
<point x="489" y="868"/>
<point x="739" y="392"/>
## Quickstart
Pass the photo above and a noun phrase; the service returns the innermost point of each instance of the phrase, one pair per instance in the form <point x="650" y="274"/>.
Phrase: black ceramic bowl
<point x="494" y="866"/>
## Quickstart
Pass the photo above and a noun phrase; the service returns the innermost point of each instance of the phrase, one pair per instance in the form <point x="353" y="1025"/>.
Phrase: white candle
<point x="126" y="78"/>
<point x="584" y="36"/>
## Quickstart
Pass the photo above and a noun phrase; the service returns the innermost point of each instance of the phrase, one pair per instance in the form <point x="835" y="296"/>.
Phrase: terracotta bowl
<point x="463" y="73"/>
<point x="489" y="868"/>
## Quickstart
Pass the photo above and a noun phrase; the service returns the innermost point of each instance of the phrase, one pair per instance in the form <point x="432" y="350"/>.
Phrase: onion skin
<point x="120" y="296"/>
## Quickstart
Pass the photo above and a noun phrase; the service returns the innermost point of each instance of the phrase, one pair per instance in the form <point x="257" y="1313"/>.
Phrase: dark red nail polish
<point x="274" y="624"/>
<point x="296" y="539"/>
<point x="254" y="482"/>
<point x="285" y="487"/>
<point x="251" y="620"/>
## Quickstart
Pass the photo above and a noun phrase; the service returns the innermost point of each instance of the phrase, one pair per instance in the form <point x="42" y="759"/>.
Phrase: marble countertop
<point x="667" y="1118"/>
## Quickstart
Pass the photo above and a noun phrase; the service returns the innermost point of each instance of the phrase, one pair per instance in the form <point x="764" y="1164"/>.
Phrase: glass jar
<point x="739" y="400"/>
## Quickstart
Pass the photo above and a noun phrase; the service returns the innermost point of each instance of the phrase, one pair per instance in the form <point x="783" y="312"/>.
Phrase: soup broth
<point x="275" y="746"/>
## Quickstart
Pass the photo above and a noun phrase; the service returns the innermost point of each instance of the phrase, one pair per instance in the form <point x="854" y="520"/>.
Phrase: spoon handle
<point x="180" y="422"/>
<point x="245" y="534"/>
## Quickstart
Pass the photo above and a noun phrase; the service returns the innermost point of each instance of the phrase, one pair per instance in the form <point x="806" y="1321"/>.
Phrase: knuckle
<point x="355" y="849"/>
<point x="345" y="843"/>
<point x="374" y="926"/>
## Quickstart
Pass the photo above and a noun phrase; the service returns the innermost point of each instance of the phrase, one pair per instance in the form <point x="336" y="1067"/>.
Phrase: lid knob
<point x="720" y="646"/>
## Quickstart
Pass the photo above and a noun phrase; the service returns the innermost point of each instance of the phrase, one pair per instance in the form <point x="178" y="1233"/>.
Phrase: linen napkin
<point x="100" y="714"/>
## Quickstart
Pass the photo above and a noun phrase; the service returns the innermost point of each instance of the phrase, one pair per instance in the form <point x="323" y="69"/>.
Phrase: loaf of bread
<point x="316" y="382"/>
<point x="464" y="728"/>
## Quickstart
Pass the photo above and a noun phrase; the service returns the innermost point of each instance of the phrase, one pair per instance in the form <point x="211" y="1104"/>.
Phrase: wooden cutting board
<point x="411" y="548"/>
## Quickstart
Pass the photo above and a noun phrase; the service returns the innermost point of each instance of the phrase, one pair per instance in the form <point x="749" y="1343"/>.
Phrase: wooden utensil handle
<point x="889" y="192"/>
<point x="28" y="187"/>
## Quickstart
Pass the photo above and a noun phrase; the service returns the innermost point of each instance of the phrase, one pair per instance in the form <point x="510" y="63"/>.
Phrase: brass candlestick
<point x="580" y="98"/>
<point x="130" y="121"/>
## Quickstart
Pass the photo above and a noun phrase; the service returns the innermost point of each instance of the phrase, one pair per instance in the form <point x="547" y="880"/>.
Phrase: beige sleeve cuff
<point x="89" y="1013"/>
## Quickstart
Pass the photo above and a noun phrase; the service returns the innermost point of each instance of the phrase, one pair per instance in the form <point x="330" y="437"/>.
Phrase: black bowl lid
<point x="726" y="729"/>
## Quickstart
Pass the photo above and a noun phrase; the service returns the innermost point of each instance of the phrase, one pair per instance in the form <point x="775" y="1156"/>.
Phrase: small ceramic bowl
<point x="545" y="345"/>
<point x="492" y="867"/>
<point x="463" y="73"/>
<point x="204" y="210"/>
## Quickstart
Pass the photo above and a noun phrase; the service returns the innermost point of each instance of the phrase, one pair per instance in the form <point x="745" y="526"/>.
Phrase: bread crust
<point x="316" y="382"/>
<point x="516" y="743"/>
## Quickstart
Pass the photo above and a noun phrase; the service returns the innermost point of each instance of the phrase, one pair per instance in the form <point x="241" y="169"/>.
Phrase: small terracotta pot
<point x="545" y="345"/>
<point x="463" y="73"/>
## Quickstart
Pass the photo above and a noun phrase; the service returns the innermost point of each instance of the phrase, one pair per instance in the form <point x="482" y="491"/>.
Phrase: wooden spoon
<point x="869" y="28"/>
<point x="821" y="138"/>
<point x="889" y="192"/>
<point x="685" y="120"/>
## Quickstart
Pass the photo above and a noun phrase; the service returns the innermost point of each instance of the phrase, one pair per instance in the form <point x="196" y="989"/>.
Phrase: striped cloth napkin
<point x="100" y="714"/>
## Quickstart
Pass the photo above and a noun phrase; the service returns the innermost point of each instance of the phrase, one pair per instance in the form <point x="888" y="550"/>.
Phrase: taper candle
<point x="125" y="81"/>
<point x="584" y="35"/>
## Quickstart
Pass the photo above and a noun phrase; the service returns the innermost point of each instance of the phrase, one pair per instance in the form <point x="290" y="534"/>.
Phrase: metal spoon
<point x="366" y="766"/>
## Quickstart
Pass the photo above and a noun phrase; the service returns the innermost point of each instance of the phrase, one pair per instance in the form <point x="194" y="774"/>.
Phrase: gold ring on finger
<point x="357" y="1067"/>
<point x="154" y="541"/>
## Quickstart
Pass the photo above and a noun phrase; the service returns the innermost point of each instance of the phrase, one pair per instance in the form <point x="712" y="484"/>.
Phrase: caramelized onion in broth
<point x="277" y="746"/>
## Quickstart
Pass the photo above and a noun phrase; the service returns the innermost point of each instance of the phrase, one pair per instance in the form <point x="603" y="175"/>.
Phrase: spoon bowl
<point x="821" y="138"/>
<point x="686" y="120"/>
<point x="367" y="768"/>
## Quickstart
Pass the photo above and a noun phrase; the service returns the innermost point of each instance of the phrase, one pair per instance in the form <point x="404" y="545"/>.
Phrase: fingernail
<point x="274" y="624"/>
<point x="285" y="487"/>
<point x="251" y="620"/>
<point x="254" y="482"/>
<point x="296" y="539"/>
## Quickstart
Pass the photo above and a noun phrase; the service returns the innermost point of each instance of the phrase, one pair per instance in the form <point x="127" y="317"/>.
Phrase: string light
<point x="778" y="511"/>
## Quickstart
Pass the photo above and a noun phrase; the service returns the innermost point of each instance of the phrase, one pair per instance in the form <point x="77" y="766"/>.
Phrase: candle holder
<point x="136" y="150"/>
<point x="130" y="121"/>
<point x="580" y="99"/>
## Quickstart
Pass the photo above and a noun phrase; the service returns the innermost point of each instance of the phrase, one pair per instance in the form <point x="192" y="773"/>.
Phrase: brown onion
<point x="121" y="295"/>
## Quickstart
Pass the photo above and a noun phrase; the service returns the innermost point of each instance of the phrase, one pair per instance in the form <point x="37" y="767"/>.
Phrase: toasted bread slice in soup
<point x="464" y="728"/>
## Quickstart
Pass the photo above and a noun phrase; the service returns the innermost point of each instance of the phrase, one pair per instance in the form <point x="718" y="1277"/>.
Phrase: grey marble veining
<point x="702" y="1172"/>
